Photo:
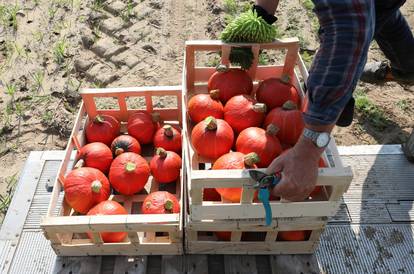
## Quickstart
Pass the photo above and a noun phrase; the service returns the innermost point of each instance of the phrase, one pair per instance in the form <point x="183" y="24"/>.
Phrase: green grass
<point x="128" y="12"/>
<point x="371" y="112"/>
<point x="10" y="90"/>
<point x="38" y="77"/>
<point x="264" y="59"/>
<point x="307" y="58"/>
<point x="5" y="199"/>
<point x="8" y="15"/>
<point x="230" y="6"/>
<point x="59" y="51"/>
<point x="97" y="5"/>
<point x="404" y="105"/>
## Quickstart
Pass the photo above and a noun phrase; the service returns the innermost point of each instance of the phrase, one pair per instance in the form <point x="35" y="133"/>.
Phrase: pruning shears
<point x="264" y="182"/>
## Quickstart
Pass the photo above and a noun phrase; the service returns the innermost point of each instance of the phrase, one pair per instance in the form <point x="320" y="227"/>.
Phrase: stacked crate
<point x="245" y="220"/>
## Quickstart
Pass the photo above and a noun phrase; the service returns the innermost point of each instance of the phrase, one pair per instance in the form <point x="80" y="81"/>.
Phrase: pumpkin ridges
<point x="129" y="173"/>
<point x="289" y="122"/>
<point x="274" y="92"/>
<point x="102" y="128"/>
<point x="215" y="142"/>
<point x="79" y="189"/>
<point x="200" y="106"/>
<point x="141" y="126"/>
<point x="231" y="82"/>
<point x="165" y="166"/>
<point x="109" y="208"/>
<point x="168" y="138"/>
<point x="96" y="155"/>
<point x="125" y="143"/>
<point x="255" y="139"/>
<point x="160" y="202"/>
<point x="231" y="160"/>
<point x="243" y="111"/>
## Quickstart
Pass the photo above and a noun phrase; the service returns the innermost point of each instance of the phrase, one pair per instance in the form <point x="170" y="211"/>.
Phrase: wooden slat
<point x="172" y="265"/>
<point x="294" y="264"/>
<point x="130" y="265"/>
<point x="196" y="264"/>
<point x="241" y="178"/>
<point x="212" y="247"/>
<point x="239" y="211"/>
<point x="240" y="264"/>
<point x="87" y="265"/>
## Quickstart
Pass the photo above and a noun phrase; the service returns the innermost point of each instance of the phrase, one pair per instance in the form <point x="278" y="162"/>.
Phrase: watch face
<point x="323" y="139"/>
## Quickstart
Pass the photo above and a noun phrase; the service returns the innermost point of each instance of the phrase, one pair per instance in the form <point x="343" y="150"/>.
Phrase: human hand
<point x="299" y="167"/>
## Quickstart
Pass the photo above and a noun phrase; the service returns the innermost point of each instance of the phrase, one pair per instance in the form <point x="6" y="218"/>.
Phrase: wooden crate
<point x="204" y="217"/>
<point x="147" y="234"/>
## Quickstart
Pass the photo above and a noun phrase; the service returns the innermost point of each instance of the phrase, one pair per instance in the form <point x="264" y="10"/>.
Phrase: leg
<point x="396" y="40"/>
<point x="394" y="36"/>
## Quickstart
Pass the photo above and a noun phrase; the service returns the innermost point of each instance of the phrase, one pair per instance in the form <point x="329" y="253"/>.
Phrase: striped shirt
<point x="346" y="30"/>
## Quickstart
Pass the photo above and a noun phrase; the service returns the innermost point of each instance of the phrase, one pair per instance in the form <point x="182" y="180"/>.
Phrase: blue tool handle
<point x="264" y="196"/>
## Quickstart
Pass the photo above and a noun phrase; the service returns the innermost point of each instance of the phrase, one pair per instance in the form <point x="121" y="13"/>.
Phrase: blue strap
<point x="264" y="195"/>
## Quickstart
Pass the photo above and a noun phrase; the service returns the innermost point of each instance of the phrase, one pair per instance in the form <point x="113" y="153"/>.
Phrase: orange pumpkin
<point x="275" y="92"/>
<point x="160" y="202"/>
<point x="289" y="121"/>
<point x="263" y="142"/>
<point x="129" y="173"/>
<point x="168" y="138"/>
<point x="234" y="160"/>
<point x="230" y="82"/>
<point x="96" y="155"/>
<point x="125" y="143"/>
<point x="103" y="128"/>
<point x="294" y="235"/>
<point x="212" y="138"/>
<point x="165" y="166"/>
<point x="109" y="208"/>
<point x="85" y="187"/>
<point x="243" y="111"/>
<point x="142" y="126"/>
<point x="201" y="106"/>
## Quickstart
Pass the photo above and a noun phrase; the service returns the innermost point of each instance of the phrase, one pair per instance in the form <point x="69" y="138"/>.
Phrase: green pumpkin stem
<point x="119" y="151"/>
<point x="168" y="131"/>
<point x="222" y="68"/>
<point x="251" y="159"/>
<point x="211" y="123"/>
<point x="130" y="167"/>
<point x="260" y="107"/>
<point x="272" y="129"/>
<point x="289" y="105"/>
<point x="169" y="205"/>
<point x="98" y="119"/>
<point x="214" y="94"/>
<point x="96" y="186"/>
<point x="285" y="79"/>
<point x="161" y="152"/>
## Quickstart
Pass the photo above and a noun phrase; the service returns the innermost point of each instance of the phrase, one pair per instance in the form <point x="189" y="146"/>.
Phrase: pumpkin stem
<point x="96" y="186"/>
<point x="169" y="205"/>
<point x="222" y="68"/>
<point x="260" y="107"/>
<point x="168" y="131"/>
<point x="251" y="159"/>
<point x="156" y="117"/>
<point x="130" y="166"/>
<point x="161" y="152"/>
<point x="214" y="94"/>
<point x="119" y="151"/>
<point x="289" y="105"/>
<point x="98" y="119"/>
<point x="211" y="123"/>
<point x="272" y="129"/>
<point x="285" y="79"/>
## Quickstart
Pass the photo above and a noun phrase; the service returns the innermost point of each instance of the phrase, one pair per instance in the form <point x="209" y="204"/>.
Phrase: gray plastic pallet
<point x="372" y="232"/>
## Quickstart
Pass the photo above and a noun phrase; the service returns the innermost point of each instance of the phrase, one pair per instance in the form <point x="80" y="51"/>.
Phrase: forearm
<point x="269" y="5"/>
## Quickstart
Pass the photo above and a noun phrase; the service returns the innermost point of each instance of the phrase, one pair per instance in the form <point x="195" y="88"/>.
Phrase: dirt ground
<point x="50" y="49"/>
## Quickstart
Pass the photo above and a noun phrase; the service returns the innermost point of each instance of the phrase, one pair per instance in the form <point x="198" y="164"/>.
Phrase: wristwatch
<point x="320" y="139"/>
